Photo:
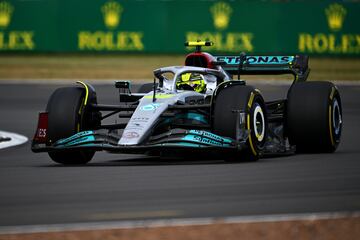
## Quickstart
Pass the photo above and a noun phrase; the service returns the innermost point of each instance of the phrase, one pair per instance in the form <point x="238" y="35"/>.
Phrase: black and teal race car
<point x="196" y="108"/>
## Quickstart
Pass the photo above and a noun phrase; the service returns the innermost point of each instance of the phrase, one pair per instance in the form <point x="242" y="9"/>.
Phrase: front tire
<point x="249" y="100"/>
<point x="314" y="117"/>
<point x="67" y="115"/>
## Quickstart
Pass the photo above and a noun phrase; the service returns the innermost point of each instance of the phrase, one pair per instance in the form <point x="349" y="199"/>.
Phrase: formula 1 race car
<point x="196" y="108"/>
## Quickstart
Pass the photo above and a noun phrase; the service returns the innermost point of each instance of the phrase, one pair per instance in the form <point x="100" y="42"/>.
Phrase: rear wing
<point x="297" y="65"/>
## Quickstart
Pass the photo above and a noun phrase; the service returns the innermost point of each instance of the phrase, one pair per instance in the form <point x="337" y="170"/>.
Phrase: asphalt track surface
<point x="34" y="190"/>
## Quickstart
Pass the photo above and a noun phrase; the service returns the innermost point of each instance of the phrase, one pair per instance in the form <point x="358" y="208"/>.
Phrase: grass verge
<point x="66" y="66"/>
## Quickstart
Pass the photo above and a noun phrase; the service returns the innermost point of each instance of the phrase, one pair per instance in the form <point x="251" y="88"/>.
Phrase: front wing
<point x="174" y="139"/>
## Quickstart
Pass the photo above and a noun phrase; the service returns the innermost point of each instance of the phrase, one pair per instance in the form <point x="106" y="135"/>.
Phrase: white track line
<point x="173" y="222"/>
<point x="15" y="139"/>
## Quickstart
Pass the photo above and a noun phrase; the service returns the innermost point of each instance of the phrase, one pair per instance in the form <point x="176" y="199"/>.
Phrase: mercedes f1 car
<point x="196" y="108"/>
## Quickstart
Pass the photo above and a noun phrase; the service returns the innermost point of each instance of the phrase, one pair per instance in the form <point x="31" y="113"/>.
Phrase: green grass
<point x="65" y="66"/>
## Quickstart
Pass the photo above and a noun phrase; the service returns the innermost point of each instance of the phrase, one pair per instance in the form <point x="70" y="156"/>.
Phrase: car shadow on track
<point x="157" y="161"/>
<point x="142" y="162"/>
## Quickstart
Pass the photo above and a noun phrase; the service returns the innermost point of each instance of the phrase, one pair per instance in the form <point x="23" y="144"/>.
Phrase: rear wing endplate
<point x="297" y="65"/>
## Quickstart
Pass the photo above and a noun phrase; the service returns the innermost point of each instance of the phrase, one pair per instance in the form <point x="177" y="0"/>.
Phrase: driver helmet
<point x="191" y="81"/>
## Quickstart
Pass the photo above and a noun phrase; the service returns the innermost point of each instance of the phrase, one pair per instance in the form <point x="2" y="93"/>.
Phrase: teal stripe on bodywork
<point x="73" y="137"/>
<point x="85" y="139"/>
<point x="90" y="145"/>
<point x="181" y="144"/>
<point x="96" y="145"/>
<point x="193" y="116"/>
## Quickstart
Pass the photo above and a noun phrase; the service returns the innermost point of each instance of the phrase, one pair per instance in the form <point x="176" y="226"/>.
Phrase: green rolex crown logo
<point x="221" y="13"/>
<point x="6" y="11"/>
<point x="112" y="14"/>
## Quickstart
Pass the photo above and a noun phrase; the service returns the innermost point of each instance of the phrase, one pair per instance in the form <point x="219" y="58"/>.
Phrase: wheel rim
<point x="259" y="123"/>
<point x="336" y="117"/>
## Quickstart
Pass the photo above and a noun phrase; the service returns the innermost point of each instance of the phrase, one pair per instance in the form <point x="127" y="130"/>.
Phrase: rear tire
<point x="249" y="100"/>
<point x="66" y="116"/>
<point x="314" y="117"/>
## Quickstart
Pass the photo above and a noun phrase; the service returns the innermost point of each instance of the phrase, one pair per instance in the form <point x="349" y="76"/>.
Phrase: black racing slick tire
<point x="67" y="116"/>
<point x="228" y="102"/>
<point x="314" y="117"/>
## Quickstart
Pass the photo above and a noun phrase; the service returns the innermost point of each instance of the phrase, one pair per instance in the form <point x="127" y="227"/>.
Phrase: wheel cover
<point x="259" y="123"/>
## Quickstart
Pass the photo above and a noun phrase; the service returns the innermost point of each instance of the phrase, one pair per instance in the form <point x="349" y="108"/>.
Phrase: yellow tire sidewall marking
<point x="330" y="126"/>
<point x="86" y="91"/>
<point x="252" y="95"/>
<point x="248" y="124"/>
<point x="83" y="103"/>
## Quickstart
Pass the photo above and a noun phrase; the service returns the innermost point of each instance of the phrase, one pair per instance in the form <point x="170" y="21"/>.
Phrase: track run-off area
<point x="134" y="190"/>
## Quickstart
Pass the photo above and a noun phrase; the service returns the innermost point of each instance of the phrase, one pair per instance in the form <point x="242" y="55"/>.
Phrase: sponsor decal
<point x="225" y="41"/>
<point x="13" y="40"/>
<point x="333" y="41"/>
<point x="221" y="13"/>
<point x="235" y="60"/>
<point x="151" y="107"/>
<point x="41" y="133"/>
<point x="130" y="135"/>
<point x="111" y="40"/>
<point x="199" y="139"/>
<point x="140" y="119"/>
<point x="205" y="140"/>
<point x="210" y="135"/>
<point x="6" y="11"/>
<point x="135" y="127"/>
<point x="112" y="14"/>
<point x="335" y="14"/>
